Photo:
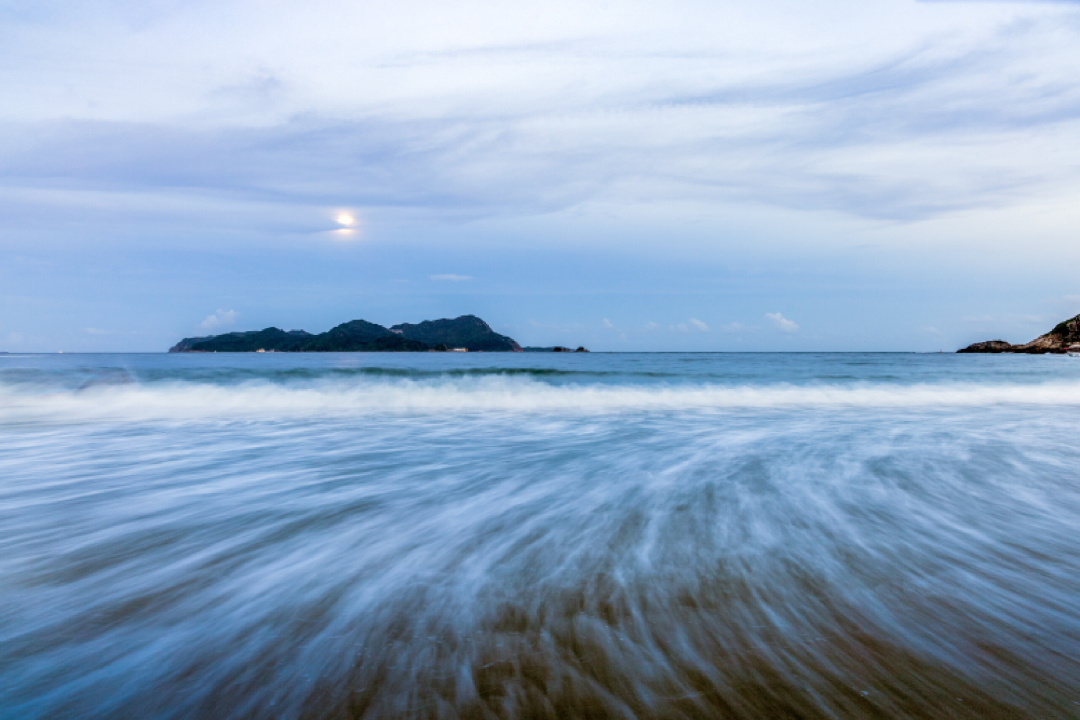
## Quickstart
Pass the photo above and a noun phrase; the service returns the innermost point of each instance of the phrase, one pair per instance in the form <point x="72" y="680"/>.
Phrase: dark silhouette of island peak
<point x="467" y="332"/>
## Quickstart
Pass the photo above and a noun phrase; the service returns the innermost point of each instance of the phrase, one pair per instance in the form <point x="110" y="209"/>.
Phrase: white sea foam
<point x="464" y="395"/>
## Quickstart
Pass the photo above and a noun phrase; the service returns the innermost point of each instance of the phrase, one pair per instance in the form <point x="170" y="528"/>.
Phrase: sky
<point x="701" y="176"/>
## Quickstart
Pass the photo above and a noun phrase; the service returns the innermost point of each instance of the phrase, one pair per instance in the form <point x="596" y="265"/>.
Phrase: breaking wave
<point x="128" y="399"/>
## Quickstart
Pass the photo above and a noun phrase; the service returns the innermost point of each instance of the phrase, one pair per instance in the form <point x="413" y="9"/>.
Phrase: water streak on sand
<point x="651" y="536"/>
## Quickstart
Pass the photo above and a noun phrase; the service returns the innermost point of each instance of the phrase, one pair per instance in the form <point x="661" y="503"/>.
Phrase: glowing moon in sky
<point x="346" y="220"/>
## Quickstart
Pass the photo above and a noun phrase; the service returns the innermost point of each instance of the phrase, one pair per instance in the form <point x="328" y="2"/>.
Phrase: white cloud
<point x="651" y="326"/>
<point x="782" y="323"/>
<point x="732" y="327"/>
<point x="450" y="277"/>
<point x="691" y="324"/>
<point x="221" y="318"/>
<point x="608" y="324"/>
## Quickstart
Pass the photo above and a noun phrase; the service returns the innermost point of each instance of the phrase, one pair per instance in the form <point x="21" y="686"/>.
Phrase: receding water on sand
<point x="546" y="536"/>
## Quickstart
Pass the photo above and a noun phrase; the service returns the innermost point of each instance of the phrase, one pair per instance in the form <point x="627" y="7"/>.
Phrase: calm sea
<point x="527" y="535"/>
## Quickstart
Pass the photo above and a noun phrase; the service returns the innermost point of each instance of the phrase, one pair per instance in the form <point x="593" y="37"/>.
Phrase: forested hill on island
<point x="467" y="332"/>
<point x="1063" y="338"/>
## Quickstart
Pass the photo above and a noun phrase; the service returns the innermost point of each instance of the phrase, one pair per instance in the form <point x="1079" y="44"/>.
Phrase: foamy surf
<point x="509" y="395"/>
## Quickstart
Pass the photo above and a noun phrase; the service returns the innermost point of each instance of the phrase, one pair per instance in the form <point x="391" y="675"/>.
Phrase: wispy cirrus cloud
<point x="450" y="277"/>
<point x="983" y="99"/>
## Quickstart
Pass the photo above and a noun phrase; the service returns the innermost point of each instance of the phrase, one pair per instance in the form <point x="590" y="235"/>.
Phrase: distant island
<point x="466" y="333"/>
<point x="1065" y="337"/>
<point x="553" y="348"/>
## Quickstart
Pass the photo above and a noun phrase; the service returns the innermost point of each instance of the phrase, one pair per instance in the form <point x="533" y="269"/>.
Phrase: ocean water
<point x="526" y="535"/>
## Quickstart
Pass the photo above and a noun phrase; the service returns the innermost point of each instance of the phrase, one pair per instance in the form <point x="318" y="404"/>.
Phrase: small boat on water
<point x="1073" y="350"/>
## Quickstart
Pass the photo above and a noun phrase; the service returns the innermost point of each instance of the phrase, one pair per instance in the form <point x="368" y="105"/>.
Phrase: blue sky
<point x="628" y="176"/>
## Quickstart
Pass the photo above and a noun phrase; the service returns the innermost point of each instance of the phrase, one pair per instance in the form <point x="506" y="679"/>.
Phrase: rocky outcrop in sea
<point x="1059" y="340"/>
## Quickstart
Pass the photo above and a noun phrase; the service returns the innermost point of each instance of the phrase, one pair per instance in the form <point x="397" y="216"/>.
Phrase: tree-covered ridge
<point x="468" y="332"/>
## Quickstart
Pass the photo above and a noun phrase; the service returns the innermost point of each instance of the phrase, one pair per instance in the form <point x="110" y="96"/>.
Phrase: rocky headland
<point x="467" y="332"/>
<point x="1059" y="340"/>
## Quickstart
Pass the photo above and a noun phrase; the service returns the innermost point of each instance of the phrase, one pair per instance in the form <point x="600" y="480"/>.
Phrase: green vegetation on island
<point x="467" y="332"/>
